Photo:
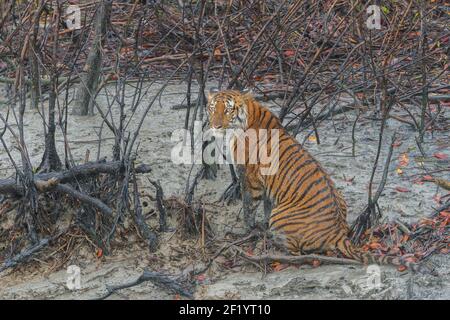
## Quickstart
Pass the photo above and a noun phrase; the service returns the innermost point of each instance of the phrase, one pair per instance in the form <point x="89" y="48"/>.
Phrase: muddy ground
<point x="351" y="175"/>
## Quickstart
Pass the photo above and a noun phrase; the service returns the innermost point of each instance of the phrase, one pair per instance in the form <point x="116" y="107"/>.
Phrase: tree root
<point x="159" y="279"/>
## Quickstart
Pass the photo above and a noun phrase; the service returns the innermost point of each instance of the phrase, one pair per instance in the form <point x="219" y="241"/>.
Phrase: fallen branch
<point x="10" y="186"/>
<point x="438" y="210"/>
<point x="159" y="279"/>
<point x="303" y="259"/>
<point x="24" y="255"/>
<point x="77" y="195"/>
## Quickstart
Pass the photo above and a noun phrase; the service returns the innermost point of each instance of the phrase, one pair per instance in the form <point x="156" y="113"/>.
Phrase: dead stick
<point x="159" y="279"/>
<point x="67" y="189"/>
<point x="10" y="186"/>
<point x="267" y="258"/>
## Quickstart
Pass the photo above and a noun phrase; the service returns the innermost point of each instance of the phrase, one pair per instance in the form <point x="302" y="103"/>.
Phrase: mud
<point x="351" y="175"/>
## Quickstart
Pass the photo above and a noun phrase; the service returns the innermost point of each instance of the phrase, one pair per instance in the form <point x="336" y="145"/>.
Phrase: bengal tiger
<point x="309" y="213"/>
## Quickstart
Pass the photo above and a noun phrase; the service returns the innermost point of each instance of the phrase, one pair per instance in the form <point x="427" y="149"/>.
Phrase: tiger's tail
<point x="348" y="249"/>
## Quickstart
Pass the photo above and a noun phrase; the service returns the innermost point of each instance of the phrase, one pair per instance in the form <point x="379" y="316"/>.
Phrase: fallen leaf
<point x="112" y="76"/>
<point x="437" y="198"/>
<point x="401" y="189"/>
<point x="445" y="214"/>
<point x="405" y="238"/>
<point x="276" y="266"/>
<point x="200" y="277"/>
<point x="289" y="53"/>
<point x="399" y="171"/>
<point x="426" y="221"/>
<point x="374" y="245"/>
<point x="401" y="268"/>
<point x="315" y="263"/>
<point x="217" y="54"/>
<point x="360" y="95"/>
<point x="440" y="156"/>
<point x="411" y="259"/>
<point x="99" y="252"/>
<point x="403" y="160"/>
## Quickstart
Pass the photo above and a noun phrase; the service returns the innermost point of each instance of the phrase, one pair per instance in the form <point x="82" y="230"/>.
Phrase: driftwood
<point x="159" y="279"/>
<point x="45" y="181"/>
<point x="58" y="181"/>
<point x="67" y="189"/>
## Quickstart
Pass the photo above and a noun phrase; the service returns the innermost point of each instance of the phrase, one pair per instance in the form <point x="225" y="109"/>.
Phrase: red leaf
<point x="375" y="245"/>
<point x="437" y="198"/>
<point x="445" y="214"/>
<point x="401" y="189"/>
<point x="289" y="53"/>
<point x="440" y="155"/>
<point x="403" y="160"/>
<point x="276" y="266"/>
<point x="200" y="277"/>
<point x="316" y="263"/>
<point x="401" y="268"/>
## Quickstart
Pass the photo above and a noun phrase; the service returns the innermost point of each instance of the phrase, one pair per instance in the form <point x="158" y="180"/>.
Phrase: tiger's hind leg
<point x="287" y="245"/>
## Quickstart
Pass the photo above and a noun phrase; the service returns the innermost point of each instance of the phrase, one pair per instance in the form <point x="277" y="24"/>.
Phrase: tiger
<point x="308" y="213"/>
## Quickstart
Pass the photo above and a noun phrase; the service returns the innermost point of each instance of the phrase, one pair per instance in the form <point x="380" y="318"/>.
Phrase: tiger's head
<point x="227" y="110"/>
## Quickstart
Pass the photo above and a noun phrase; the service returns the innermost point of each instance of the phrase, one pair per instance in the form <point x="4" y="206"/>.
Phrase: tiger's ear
<point x="212" y="92"/>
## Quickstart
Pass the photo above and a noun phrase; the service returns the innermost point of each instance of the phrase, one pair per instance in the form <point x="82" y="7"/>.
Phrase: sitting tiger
<point x="309" y="213"/>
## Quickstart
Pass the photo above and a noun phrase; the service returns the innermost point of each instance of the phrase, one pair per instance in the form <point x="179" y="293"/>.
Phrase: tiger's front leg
<point x="248" y="205"/>
<point x="252" y="192"/>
